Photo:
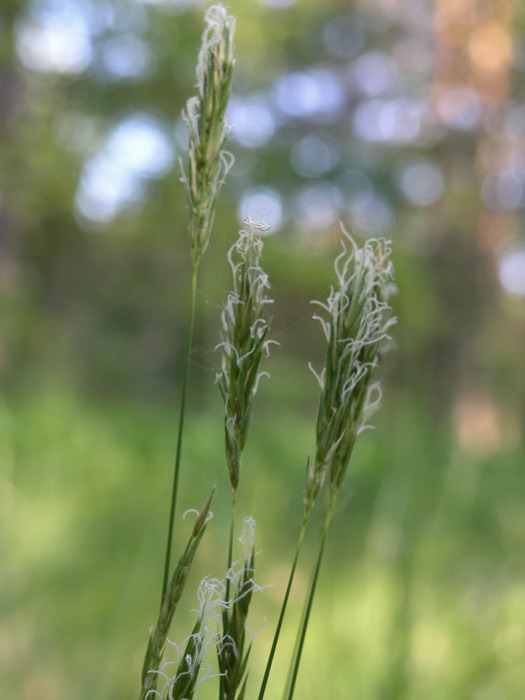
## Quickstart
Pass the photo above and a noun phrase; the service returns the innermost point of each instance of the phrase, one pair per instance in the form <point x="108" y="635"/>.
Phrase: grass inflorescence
<point x="356" y="329"/>
<point x="208" y="161"/>
<point x="245" y="327"/>
<point x="207" y="165"/>
<point x="356" y="319"/>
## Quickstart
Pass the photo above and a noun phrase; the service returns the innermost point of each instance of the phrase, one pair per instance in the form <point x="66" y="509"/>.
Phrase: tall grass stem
<point x="283" y="608"/>
<point x="230" y="541"/>
<point x="182" y="413"/>
<point x="311" y="595"/>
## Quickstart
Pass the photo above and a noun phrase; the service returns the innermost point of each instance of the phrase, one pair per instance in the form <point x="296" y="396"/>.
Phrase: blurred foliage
<point x="426" y="596"/>
<point x="370" y="112"/>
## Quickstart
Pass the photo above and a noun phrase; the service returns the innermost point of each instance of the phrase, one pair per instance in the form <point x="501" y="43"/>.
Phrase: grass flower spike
<point x="356" y="322"/>
<point x="359" y="318"/>
<point x="220" y="629"/>
<point x="356" y="330"/>
<point x="192" y="669"/>
<point x="233" y="652"/>
<point x="208" y="162"/>
<point x="159" y="636"/>
<point x="357" y="326"/>
<point x="245" y="327"/>
<point x="208" y="165"/>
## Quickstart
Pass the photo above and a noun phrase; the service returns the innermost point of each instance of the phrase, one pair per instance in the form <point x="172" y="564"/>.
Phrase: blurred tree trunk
<point x="473" y="44"/>
<point x="9" y="90"/>
<point x="9" y="94"/>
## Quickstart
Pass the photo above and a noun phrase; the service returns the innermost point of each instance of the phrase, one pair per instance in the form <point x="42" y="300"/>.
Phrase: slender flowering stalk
<point x="356" y="330"/>
<point x="158" y="637"/>
<point x="356" y="324"/>
<point x="208" y="165"/>
<point x="245" y="327"/>
<point x="284" y="605"/>
<point x="208" y="162"/>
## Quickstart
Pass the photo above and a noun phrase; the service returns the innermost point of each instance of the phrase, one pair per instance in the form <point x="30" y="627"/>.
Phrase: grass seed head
<point x="159" y="636"/>
<point x="234" y="651"/>
<point x="356" y="325"/>
<point x="245" y="327"/>
<point x="208" y="161"/>
<point x="192" y="669"/>
<point x="221" y="627"/>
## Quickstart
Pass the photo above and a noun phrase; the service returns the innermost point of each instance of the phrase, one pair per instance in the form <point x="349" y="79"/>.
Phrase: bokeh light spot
<point x="175" y="5"/>
<point x="262" y="205"/>
<point x="512" y="272"/>
<point x="502" y="191"/>
<point x="137" y="149"/>
<point x="459" y="108"/>
<point x="375" y="73"/>
<point x="140" y="144"/>
<point x="370" y="214"/>
<point x="252" y="121"/>
<point x="105" y="188"/>
<point x="125" y="57"/>
<point x="313" y="156"/>
<point x="316" y="94"/>
<point x="395" y="121"/>
<point x="344" y="36"/>
<point x="490" y="47"/>
<point x="318" y="206"/>
<point x="422" y="183"/>
<point x="279" y="4"/>
<point x="57" y="43"/>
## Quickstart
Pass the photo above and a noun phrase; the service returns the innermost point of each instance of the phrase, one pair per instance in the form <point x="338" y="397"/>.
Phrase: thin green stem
<point x="284" y="605"/>
<point x="306" y="617"/>
<point x="311" y="595"/>
<point x="230" y="542"/>
<point x="182" y="413"/>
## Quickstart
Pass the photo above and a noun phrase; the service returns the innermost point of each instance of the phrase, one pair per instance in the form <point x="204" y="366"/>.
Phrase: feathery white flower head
<point x="356" y="325"/>
<point x="245" y="326"/>
<point x="208" y="161"/>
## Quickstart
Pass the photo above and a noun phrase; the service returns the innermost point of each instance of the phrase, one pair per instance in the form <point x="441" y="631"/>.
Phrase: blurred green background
<point x="403" y="119"/>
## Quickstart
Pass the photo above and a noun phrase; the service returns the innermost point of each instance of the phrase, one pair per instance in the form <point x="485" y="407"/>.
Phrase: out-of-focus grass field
<point x="422" y="594"/>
